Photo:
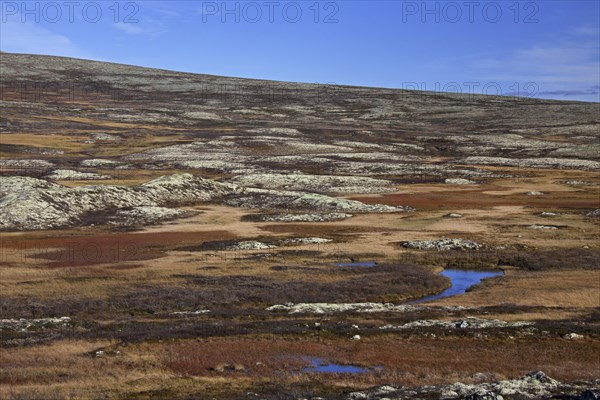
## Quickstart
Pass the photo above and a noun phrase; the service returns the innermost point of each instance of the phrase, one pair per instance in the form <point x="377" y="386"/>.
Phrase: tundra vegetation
<point x="171" y="235"/>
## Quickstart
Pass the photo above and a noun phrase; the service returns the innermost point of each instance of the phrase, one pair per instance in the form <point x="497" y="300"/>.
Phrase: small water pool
<point x="321" y="366"/>
<point x="460" y="281"/>
<point x="367" y="264"/>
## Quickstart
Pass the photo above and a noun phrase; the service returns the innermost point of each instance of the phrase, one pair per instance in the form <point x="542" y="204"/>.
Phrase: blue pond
<point x="367" y="264"/>
<point x="461" y="281"/>
<point x="318" y="365"/>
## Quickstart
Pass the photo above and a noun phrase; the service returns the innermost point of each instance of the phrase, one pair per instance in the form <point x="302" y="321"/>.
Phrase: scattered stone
<point x="356" y="337"/>
<point x="302" y="241"/>
<point x="469" y="323"/>
<point x="595" y="213"/>
<point x="581" y="183"/>
<point x="573" y="336"/>
<point x="251" y="245"/>
<point x="535" y="193"/>
<point x="190" y="313"/>
<point x="442" y="244"/>
<point x="459" y="181"/>
<point x="542" y="227"/>
<point x="453" y="215"/>
<point x="24" y="325"/>
<point x="102" y="137"/>
<point x="549" y="214"/>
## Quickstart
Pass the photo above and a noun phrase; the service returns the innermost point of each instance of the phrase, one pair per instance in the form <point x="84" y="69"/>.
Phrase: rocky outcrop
<point x="442" y="244"/>
<point x="99" y="163"/>
<point x="468" y="323"/>
<point x="30" y="204"/>
<point x="72" y="175"/>
<point x="325" y="217"/>
<point x="534" y="385"/>
<point x="546" y="162"/>
<point x="25" y="325"/>
<point x="102" y="137"/>
<point x="303" y="241"/>
<point x="273" y="199"/>
<point x="251" y="245"/>
<point x="26" y="164"/>
<point x="459" y="181"/>
<point x="330" y="308"/>
<point x="315" y="183"/>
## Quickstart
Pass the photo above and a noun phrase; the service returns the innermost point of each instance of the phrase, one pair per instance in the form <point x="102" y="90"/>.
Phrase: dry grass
<point x="67" y="368"/>
<point x="407" y="362"/>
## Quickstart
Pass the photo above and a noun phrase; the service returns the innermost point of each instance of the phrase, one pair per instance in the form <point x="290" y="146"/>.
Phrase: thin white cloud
<point x="587" y="30"/>
<point x="568" y="66"/>
<point x="563" y="62"/>
<point x="147" y="26"/>
<point x="169" y="13"/>
<point x="26" y="37"/>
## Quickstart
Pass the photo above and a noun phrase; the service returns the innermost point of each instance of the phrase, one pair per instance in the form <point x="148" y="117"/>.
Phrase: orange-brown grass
<point x="68" y="369"/>
<point x="409" y="362"/>
<point x="476" y="198"/>
<point x="107" y="248"/>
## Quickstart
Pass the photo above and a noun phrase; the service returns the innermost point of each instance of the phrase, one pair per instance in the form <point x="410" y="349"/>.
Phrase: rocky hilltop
<point x="271" y="145"/>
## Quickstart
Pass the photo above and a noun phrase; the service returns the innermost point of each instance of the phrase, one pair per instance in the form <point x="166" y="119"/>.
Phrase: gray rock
<point x="24" y="325"/>
<point x="72" y="175"/>
<point x="251" y="245"/>
<point x="459" y="181"/>
<point x="325" y="217"/>
<point x="453" y="215"/>
<point x="595" y="213"/>
<point x="31" y="204"/>
<point x="442" y="244"/>
<point x="542" y="227"/>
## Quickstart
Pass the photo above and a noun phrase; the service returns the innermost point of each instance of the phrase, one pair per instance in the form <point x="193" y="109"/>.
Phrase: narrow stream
<point x="460" y="282"/>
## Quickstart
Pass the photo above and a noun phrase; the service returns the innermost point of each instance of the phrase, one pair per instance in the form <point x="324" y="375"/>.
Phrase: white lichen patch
<point x="72" y="175"/>
<point x="315" y="183"/>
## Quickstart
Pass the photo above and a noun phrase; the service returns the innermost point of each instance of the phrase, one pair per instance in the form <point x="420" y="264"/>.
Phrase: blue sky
<point x="548" y="49"/>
